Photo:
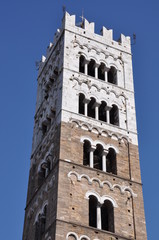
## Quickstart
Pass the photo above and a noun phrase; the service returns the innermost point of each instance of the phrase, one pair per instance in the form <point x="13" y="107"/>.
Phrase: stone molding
<point x="122" y="188"/>
<point x="100" y="131"/>
<point x="76" y="236"/>
<point x="90" y="84"/>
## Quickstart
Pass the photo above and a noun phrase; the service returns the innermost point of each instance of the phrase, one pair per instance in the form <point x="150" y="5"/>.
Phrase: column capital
<point x="96" y="104"/>
<point x="108" y="107"/>
<point x="105" y="152"/>
<point x="86" y="100"/>
<point x="92" y="148"/>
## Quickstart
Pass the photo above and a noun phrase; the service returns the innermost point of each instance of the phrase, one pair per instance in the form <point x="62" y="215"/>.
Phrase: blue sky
<point x="26" y="28"/>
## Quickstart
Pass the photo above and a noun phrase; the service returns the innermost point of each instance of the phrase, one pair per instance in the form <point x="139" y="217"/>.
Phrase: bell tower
<point x="84" y="180"/>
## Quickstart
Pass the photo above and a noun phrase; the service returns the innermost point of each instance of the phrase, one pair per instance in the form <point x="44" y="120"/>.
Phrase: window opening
<point x="91" y="108"/>
<point x="98" y="157"/>
<point x="81" y="64"/>
<point x="112" y="75"/>
<point x="91" y="68"/>
<point x="102" y="112"/>
<point x="101" y="72"/>
<point x="107" y="216"/>
<point x="93" y="211"/>
<point x="86" y="153"/>
<point x="81" y="103"/>
<point x="111" y="161"/>
<point x="114" y="115"/>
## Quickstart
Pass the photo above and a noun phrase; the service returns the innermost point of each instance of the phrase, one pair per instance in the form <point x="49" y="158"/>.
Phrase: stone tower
<point x="85" y="181"/>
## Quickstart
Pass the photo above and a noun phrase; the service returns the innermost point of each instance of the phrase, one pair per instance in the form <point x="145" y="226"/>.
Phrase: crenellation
<point x="107" y="34"/>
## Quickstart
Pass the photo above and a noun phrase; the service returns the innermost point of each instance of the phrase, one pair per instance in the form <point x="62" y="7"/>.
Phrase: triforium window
<point x="98" y="158"/>
<point x="99" y="111"/>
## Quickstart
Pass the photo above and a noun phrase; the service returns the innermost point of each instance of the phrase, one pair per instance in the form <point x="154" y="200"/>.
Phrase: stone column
<point x="96" y="70"/>
<point x="106" y="74"/>
<point x="96" y="106"/>
<point x="86" y="67"/>
<point x="86" y="101"/>
<point x="91" y="156"/>
<point x="108" y="108"/>
<point x="104" y="160"/>
<point x="99" y="222"/>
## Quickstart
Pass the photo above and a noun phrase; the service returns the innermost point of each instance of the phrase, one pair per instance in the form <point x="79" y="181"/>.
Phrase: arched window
<point x="91" y="68"/>
<point x="81" y="64"/>
<point x="98" y="157"/>
<point x="112" y="75"/>
<point x="91" y="108"/>
<point x="102" y="112"/>
<point x="111" y="161"/>
<point x="93" y="211"/>
<point x="86" y="153"/>
<point x="114" y="115"/>
<point x="81" y="103"/>
<point x="107" y="216"/>
<point x="45" y="169"/>
<point x="101" y="72"/>
<point x="72" y="237"/>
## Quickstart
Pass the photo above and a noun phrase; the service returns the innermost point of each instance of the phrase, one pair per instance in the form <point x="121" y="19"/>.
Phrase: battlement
<point x="69" y="21"/>
<point x="86" y="29"/>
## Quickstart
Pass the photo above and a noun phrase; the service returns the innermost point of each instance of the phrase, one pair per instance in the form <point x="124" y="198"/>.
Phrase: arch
<point x="84" y="237"/>
<point x="95" y="194"/>
<point x="114" y="115"/>
<point x="72" y="234"/>
<point x="83" y="138"/>
<point x="112" y="75"/>
<point x="105" y="197"/>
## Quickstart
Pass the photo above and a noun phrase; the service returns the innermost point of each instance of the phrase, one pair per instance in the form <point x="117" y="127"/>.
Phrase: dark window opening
<point x="112" y="75"/>
<point x="91" y="108"/>
<point x="98" y="157"/>
<point x="101" y="72"/>
<point x="114" y="115"/>
<point x="41" y="175"/>
<point x="81" y="64"/>
<point x="44" y="128"/>
<point x="103" y="112"/>
<point x="107" y="215"/>
<point x="93" y="211"/>
<point x="91" y="68"/>
<point x="111" y="161"/>
<point x="81" y="103"/>
<point x="86" y="152"/>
